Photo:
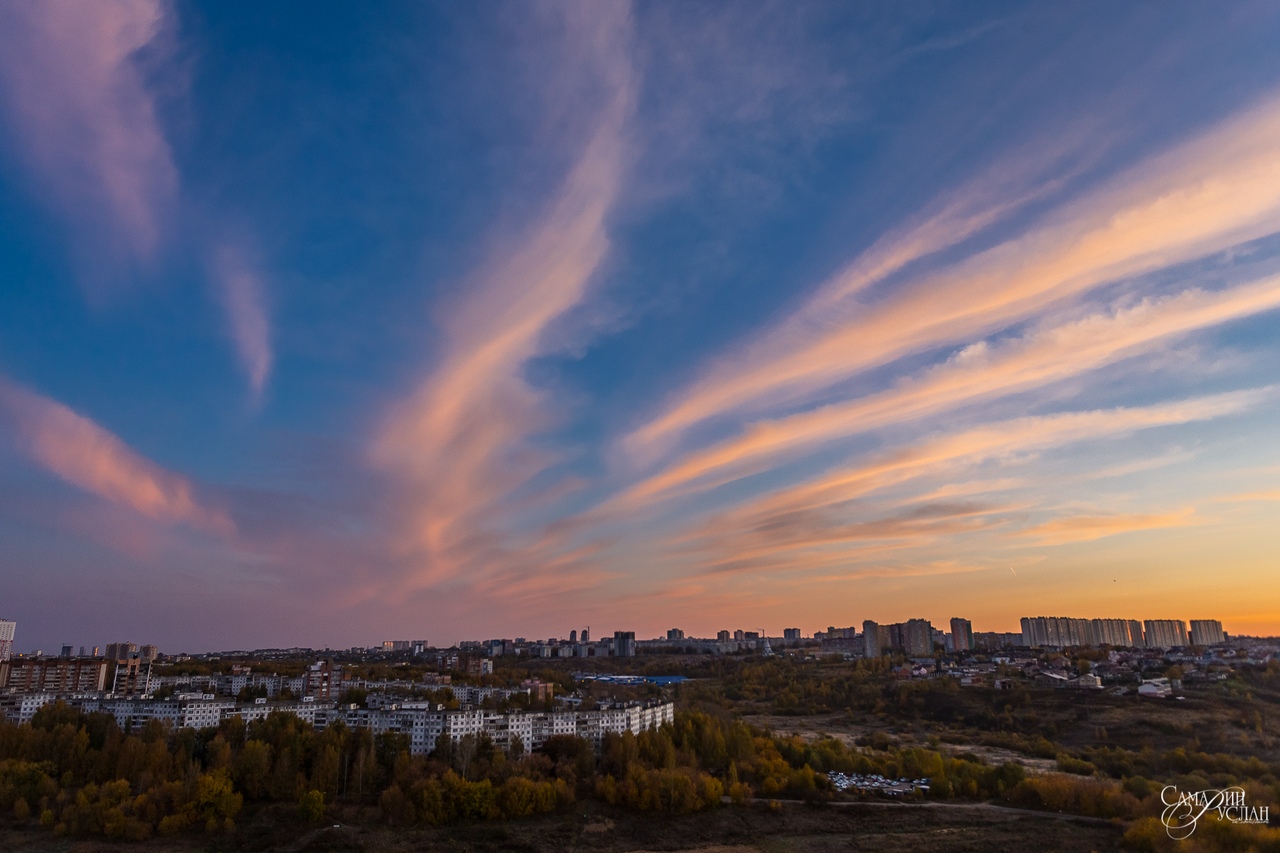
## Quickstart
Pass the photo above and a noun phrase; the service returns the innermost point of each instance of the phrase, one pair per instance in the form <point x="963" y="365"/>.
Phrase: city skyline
<point x="1036" y="631"/>
<point x="323" y="323"/>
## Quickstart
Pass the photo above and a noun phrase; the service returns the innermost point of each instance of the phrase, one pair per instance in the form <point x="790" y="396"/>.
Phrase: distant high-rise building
<point x="586" y="635"/>
<point x="7" y="631"/>
<point x="323" y="680"/>
<point x="132" y="676"/>
<point x="870" y="639"/>
<point x="121" y="651"/>
<point x="148" y="652"/>
<point x="573" y="636"/>
<point x="624" y="644"/>
<point x="97" y="651"/>
<point x="1206" y="632"/>
<point x="1165" y="633"/>
<point x="1114" y="632"/>
<point x="918" y="638"/>
<point x="675" y="634"/>
<point x="82" y="654"/>
<point x="790" y="633"/>
<point x="722" y="636"/>
<point x="739" y="635"/>
<point x="961" y="635"/>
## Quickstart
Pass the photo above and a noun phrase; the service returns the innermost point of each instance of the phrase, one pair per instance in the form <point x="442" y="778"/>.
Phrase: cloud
<point x="1085" y="528"/>
<point x="1214" y="192"/>
<point x="460" y="445"/>
<point x="816" y="512"/>
<point x="90" y="458"/>
<point x="1266" y="496"/>
<point x="979" y="372"/>
<point x="86" y="122"/>
<point x="242" y="297"/>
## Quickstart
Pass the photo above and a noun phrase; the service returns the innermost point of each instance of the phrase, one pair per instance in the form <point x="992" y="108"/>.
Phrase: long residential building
<point x="1058" y="632"/>
<point x="54" y="675"/>
<point x="424" y="723"/>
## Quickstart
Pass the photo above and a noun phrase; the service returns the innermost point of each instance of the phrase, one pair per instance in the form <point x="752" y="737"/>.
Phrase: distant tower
<point x="586" y="634"/>
<point x="7" y="630"/>
<point x="573" y="636"/>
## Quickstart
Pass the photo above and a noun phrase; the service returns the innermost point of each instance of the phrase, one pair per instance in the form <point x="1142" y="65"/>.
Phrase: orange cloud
<point x="1251" y="497"/>
<point x="1084" y="528"/>
<point x="459" y="445"/>
<point x="979" y="372"/>
<point x="810" y="514"/>
<point x="89" y="457"/>
<point x="1214" y="192"/>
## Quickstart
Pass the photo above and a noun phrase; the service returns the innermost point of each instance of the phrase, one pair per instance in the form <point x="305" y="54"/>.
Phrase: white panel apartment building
<point x="425" y="725"/>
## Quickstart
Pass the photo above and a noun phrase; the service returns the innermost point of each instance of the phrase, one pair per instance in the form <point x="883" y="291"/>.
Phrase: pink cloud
<point x="91" y="458"/>
<point x="243" y="299"/>
<point x="85" y="120"/>
<point x="1206" y="195"/>
<point x="981" y="371"/>
<point x="459" y="446"/>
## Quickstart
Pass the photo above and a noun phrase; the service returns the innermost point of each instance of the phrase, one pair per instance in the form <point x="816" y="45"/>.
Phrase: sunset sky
<point x="323" y="324"/>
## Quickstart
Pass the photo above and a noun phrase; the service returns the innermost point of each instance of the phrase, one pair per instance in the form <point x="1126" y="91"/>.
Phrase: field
<point x="793" y="828"/>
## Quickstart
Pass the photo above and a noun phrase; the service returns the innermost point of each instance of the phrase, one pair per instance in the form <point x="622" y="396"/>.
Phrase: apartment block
<point x="624" y="644"/>
<point x="1165" y="633"/>
<point x="1207" y="632"/>
<point x="961" y="635"/>
<point x="59" y="675"/>
<point x="8" y="629"/>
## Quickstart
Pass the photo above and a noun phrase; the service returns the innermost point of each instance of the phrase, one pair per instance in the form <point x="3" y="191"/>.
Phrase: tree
<point x="311" y="806"/>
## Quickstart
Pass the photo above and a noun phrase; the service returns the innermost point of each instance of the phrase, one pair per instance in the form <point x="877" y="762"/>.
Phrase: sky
<point x="329" y="323"/>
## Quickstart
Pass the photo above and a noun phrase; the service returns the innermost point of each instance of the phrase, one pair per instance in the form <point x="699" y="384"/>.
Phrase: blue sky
<point x="324" y="324"/>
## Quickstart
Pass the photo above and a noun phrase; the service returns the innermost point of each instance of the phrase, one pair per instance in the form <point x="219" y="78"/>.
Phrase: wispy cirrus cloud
<point x="243" y="298"/>
<point x="87" y="126"/>
<point x="87" y="123"/>
<point x="460" y="446"/>
<point x="981" y="371"/>
<point x="92" y="459"/>
<point x="814" y="513"/>
<point x="1087" y="527"/>
<point x="1214" y="192"/>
